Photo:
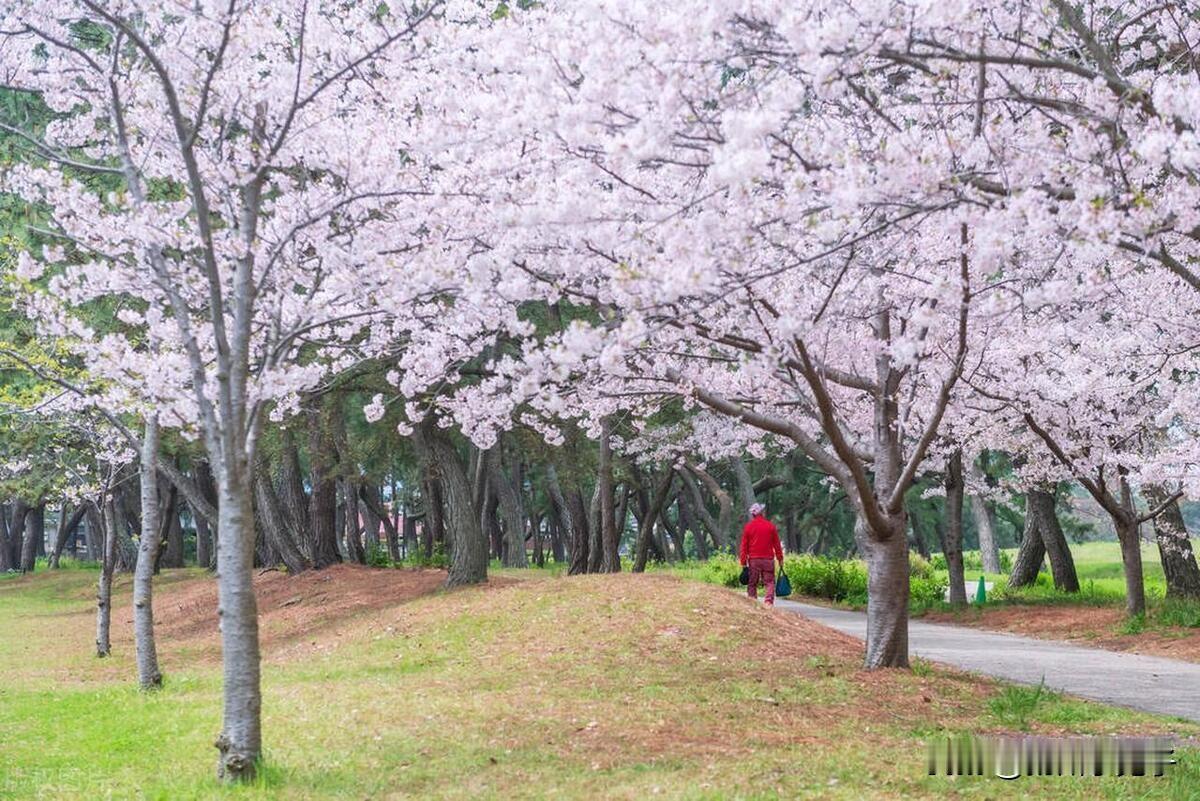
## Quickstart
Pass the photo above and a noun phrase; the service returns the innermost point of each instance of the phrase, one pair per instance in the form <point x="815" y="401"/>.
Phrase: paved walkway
<point x="1147" y="683"/>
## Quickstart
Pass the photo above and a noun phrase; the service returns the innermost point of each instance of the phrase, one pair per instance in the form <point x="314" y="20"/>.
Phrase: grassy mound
<point x="587" y="687"/>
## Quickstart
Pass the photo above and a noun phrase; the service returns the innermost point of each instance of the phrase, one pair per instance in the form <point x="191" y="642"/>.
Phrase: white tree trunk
<point x="149" y="676"/>
<point x="240" y="742"/>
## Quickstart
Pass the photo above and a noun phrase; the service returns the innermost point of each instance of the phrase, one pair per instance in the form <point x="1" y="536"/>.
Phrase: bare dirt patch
<point x="310" y="606"/>
<point x="1098" y="627"/>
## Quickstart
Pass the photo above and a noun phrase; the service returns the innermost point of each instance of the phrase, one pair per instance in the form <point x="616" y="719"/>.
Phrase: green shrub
<point x="919" y="566"/>
<point x="722" y="569"/>
<point x="822" y="577"/>
<point x="1182" y="612"/>
<point x="377" y="556"/>
<point x="924" y="593"/>
<point x="972" y="561"/>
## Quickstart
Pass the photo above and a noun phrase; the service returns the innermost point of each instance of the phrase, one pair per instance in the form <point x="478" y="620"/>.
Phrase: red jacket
<point x="760" y="540"/>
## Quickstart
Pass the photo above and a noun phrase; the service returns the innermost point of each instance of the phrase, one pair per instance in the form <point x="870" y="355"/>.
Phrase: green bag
<point x="783" y="587"/>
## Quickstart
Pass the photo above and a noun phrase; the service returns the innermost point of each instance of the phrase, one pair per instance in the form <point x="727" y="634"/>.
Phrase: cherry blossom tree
<point x="267" y="154"/>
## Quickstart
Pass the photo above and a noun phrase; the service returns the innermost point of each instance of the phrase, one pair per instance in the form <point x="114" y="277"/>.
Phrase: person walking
<point x="760" y="550"/>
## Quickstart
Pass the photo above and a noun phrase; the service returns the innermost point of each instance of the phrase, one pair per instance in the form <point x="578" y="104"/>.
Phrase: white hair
<point x="757" y="509"/>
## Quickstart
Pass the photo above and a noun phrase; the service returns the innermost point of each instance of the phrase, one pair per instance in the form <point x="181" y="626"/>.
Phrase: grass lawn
<point x="588" y="687"/>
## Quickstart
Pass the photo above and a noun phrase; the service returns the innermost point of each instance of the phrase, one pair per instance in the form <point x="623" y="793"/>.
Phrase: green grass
<point x="590" y="687"/>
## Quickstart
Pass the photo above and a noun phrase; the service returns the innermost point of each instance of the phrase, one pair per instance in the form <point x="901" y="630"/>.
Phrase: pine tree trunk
<point x="510" y="507"/>
<point x="650" y="520"/>
<point x="204" y="552"/>
<point x="1032" y="552"/>
<point x="1058" y="551"/>
<point x="293" y="498"/>
<point x="952" y="546"/>
<point x="274" y="525"/>
<point x="149" y="675"/>
<point x="35" y="531"/>
<point x="172" y="531"/>
<point x="67" y="525"/>
<point x="322" y="503"/>
<point x="467" y="545"/>
<point x="93" y="532"/>
<point x="1174" y="546"/>
<point x="989" y="552"/>
<point x="580" y="535"/>
<point x="104" y="590"/>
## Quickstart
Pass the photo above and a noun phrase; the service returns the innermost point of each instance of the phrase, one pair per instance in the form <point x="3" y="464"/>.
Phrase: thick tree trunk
<point x="1174" y="546"/>
<point x="93" y="532"/>
<point x="372" y="522"/>
<point x="1058" y="552"/>
<point x="172" y="531"/>
<point x="511" y="509"/>
<point x="293" y="498"/>
<point x="205" y="557"/>
<point x="240" y="741"/>
<point x="434" y="525"/>
<point x="67" y="524"/>
<point x="1131" y="559"/>
<point x="108" y="564"/>
<point x="467" y="544"/>
<point x="580" y="536"/>
<point x="887" y="597"/>
<point x="989" y="552"/>
<point x="595" y="539"/>
<point x="1032" y="552"/>
<point x="610" y="537"/>
<point x="952" y="546"/>
<point x="126" y="548"/>
<point x="15" y="535"/>
<point x="149" y="676"/>
<point x="351" y="530"/>
<point x="35" y="532"/>
<point x="322" y="504"/>
<point x="274" y="524"/>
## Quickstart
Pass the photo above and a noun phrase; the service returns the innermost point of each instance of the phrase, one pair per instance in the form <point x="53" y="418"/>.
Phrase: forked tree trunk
<point x="1058" y="551"/>
<point x="952" y="546"/>
<point x="1174" y="546"/>
<point x="149" y="675"/>
<point x="467" y="545"/>
<point x="1043" y="537"/>
<point x="240" y="742"/>
<point x="650" y="519"/>
<point x="66" y="528"/>
<point x="1030" y="555"/>
<point x="108" y="564"/>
